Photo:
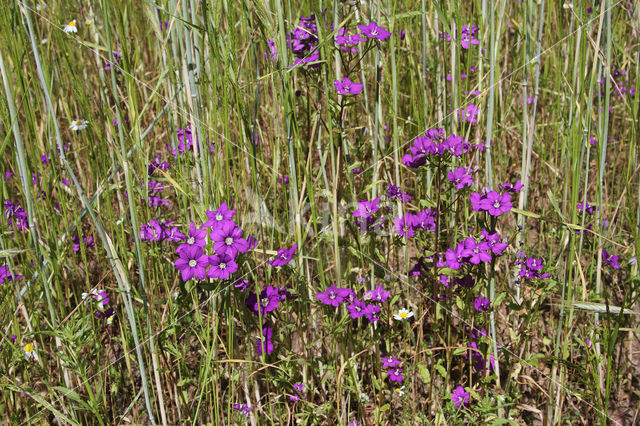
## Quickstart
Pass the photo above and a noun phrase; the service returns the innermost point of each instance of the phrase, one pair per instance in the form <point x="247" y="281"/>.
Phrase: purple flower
<point x="460" y="177"/>
<point x="299" y="387"/>
<point x="404" y="225"/>
<point x="496" y="204"/>
<point x="497" y="247"/>
<point x="378" y="295"/>
<point x="273" y="54"/>
<point x="374" y="31"/>
<point x="268" y="301"/>
<point x="507" y="187"/>
<point x="283" y="256"/>
<point x="460" y="397"/>
<point x="196" y="237"/>
<point x="609" y="259"/>
<point x="586" y="207"/>
<point x="481" y="304"/>
<point x="395" y="375"/>
<point x="192" y="263"/>
<point x="243" y="409"/>
<point x="455" y="258"/>
<point x="265" y="345"/>
<point x="371" y="312"/>
<point x="357" y="309"/>
<point x="347" y="87"/>
<point x="333" y="295"/>
<point x="228" y="239"/>
<point x="393" y="192"/>
<point x="222" y="266"/>
<point x="469" y="114"/>
<point x="477" y="252"/>
<point x="366" y="208"/>
<point x="218" y="217"/>
<point x="390" y="362"/>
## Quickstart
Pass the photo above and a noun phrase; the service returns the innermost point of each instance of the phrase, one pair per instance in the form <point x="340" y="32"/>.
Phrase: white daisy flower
<point x="30" y="352"/>
<point x="403" y="314"/>
<point x="71" y="27"/>
<point x="78" y="125"/>
<point x="399" y="391"/>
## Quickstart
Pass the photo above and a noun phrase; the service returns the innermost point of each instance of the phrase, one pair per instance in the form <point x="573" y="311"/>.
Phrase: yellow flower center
<point x="28" y="347"/>
<point x="72" y="23"/>
<point x="403" y="314"/>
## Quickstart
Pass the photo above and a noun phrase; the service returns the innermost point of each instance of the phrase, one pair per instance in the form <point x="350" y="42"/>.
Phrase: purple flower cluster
<point x="434" y="143"/>
<point x="409" y="223"/>
<point x="374" y="31"/>
<point x="461" y="177"/>
<point x="467" y="37"/>
<point x="470" y="251"/>
<point x="589" y="209"/>
<point x="492" y="202"/>
<point x="395" y="193"/>
<point x="532" y="268"/>
<point x="303" y="42"/>
<point x="160" y="231"/>
<point x="101" y="299"/>
<point x="299" y="388"/>
<point x="469" y="114"/>
<point x="368" y="307"/>
<point x="347" y="42"/>
<point x="87" y="242"/>
<point x="394" y="371"/>
<point x="15" y="216"/>
<point x="243" y="409"/>
<point x="5" y="275"/>
<point x="283" y="256"/>
<point x="227" y="241"/>
<point x="185" y="142"/>
<point x="269" y="300"/>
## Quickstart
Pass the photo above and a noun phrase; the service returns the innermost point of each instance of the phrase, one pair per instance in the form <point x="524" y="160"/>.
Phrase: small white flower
<point x="71" y="27"/>
<point x="78" y="125"/>
<point x="400" y="391"/>
<point x="568" y="5"/>
<point x="30" y="352"/>
<point x="403" y="314"/>
<point x="364" y="397"/>
<point x="44" y="41"/>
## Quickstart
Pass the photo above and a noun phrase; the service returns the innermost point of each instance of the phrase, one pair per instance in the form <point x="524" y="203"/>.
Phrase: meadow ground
<point x="313" y="212"/>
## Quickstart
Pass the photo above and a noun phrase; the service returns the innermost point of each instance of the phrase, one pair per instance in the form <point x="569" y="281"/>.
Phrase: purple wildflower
<point x="460" y="397"/>
<point x="395" y="375"/>
<point x="496" y="204"/>
<point x="196" y="237"/>
<point x="366" y="208"/>
<point x="347" y="87"/>
<point x="460" y="177"/>
<point x="228" y="239"/>
<point x="222" y="266"/>
<point x="265" y="345"/>
<point x="390" y="362"/>
<point x="192" y="263"/>
<point x="357" y="309"/>
<point x="610" y="259"/>
<point x="283" y="256"/>
<point x="481" y="304"/>
<point x="373" y="30"/>
<point x="219" y="217"/>
<point x="333" y="295"/>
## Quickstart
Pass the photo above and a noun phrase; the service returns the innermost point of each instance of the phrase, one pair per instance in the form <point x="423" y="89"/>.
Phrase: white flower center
<point x="496" y="204"/>
<point x="219" y="217"/>
<point x="228" y="241"/>
<point x="191" y="240"/>
<point x="193" y="263"/>
<point x="222" y="265"/>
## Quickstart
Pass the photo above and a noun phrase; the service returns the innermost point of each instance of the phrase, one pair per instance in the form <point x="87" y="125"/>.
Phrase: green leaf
<point x="423" y="372"/>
